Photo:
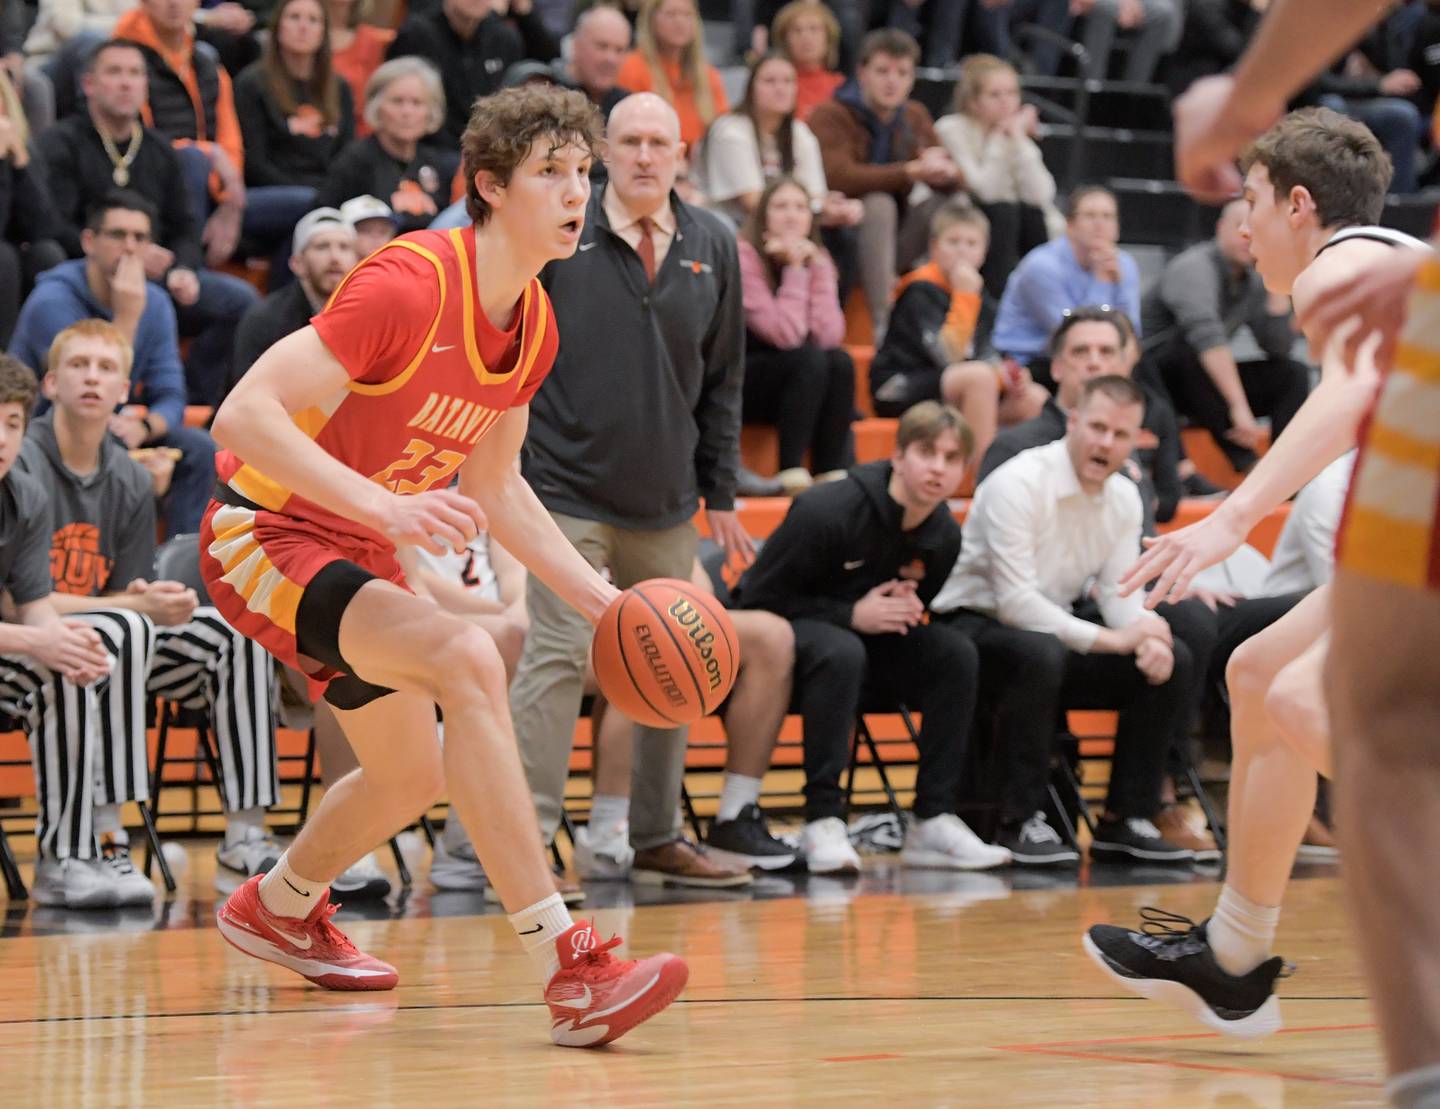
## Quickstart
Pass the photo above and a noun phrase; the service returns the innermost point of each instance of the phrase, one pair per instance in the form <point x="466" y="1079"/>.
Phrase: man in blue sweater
<point x="109" y="284"/>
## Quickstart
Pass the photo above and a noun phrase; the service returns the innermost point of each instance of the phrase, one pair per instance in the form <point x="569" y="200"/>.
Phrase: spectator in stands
<point x="598" y="46"/>
<point x="471" y="44"/>
<point x="28" y="225"/>
<point x="854" y="566"/>
<point x="324" y="252"/>
<point x="86" y="156"/>
<point x="807" y="33"/>
<point x="878" y="145"/>
<point x="1424" y="62"/>
<point x="295" y="113"/>
<point x="102" y="549"/>
<point x="404" y="102"/>
<point x="109" y="284"/>
<point x="1216" y="33"/>
<point x="357" y="49"/>
<point x="1374" y="85"/>
<point x="797" y="375"/>
<point x="758" y="27"/>
<point x="51" y="671"/>
<point x="373" y="222"/>
<point x="989" y="137"/>
<point x="762" y="140"/>
<point x="940" y="26"/>
<point x="653" y="298"/>
<point x="1203" y="297"/>
<point x="938" y="344"/>
<point x="1153" y="28"/>
<point x="669" y="60"/>
<point x="1040" y="529"/>
<point x="1083" y="266"/>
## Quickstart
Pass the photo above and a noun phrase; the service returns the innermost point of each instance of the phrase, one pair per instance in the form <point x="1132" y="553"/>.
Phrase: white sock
<point x="1415" y="1089"/>
<point x="538" y="926"/>
<point x="607" y="815"/>
<point x="285" y="893"/>
<point x="1241" y="932"/>
<point x="737" y="792"/>
<point x="107" y="823"/>
<point x="239" y="823"/>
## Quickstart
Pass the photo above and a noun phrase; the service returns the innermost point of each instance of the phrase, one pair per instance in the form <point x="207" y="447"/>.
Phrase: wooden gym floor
<point x="921" y="988"/>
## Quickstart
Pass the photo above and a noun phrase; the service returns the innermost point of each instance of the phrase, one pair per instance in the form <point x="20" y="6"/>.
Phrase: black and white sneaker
<point x="1134" y="837"/>
<point x="1035" y="843"/>
<point x="749" y="841"/>
<point x="1170" y="961"/>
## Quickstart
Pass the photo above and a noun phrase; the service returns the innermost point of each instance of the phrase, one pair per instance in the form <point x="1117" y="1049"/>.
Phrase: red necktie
<point x="646" y="248"/>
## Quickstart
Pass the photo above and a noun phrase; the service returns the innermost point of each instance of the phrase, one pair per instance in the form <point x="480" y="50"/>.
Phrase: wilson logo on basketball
<point x="700" y="635"/>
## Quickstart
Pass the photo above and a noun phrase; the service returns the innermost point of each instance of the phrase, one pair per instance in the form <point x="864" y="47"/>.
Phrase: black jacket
<point x="839" y="541"/>
<point x="912" y="340"/>
<point x="274" y="153"/>
<point x="267" y="321"/>
<point x="364" y="168"/>
<point x="25" y="212"/>
<point x="172" y="111"/>
<point x="469" y="68"/>
<point x="640" y="417"/>
<point x="1158" y="476"/>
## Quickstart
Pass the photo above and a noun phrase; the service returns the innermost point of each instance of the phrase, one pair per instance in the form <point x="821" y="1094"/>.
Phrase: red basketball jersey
<point x="430" y="375"/>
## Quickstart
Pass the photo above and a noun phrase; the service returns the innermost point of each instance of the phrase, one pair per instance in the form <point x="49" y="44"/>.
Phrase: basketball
<point x="665" y="653"/>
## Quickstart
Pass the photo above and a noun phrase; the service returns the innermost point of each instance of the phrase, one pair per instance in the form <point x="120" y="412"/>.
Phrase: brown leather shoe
<point x="682" y="863"/>
<point x="568" y="889"/>
<point x="1175" y="826"/>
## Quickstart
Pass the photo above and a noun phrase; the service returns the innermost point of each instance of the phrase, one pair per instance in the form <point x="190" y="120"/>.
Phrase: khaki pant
<point x="549" y="684"/>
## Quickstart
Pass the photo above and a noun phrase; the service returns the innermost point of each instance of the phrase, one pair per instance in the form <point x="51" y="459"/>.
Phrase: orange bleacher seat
<point x="760" y="444"/>
<point x="862" y="356"/>
<point x="1199" y="446"/>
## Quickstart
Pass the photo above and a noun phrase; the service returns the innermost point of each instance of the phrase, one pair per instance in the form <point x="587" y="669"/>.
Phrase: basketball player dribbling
<point x="340" y="443"/>
<point x="1384" y="699"/>
<point x="1315" y="185"/>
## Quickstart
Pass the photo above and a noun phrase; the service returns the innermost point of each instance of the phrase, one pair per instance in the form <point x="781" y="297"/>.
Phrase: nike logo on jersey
<point x="586" y="246"/>
<point x="859" y="562"/>
<point x="581" y="1002"/>
<point x="438" y="349"/>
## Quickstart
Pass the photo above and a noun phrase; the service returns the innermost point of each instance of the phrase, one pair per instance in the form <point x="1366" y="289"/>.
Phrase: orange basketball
<point x="665" y="653"/>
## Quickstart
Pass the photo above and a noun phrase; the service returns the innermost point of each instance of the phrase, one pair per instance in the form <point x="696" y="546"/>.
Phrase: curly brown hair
<point x="505" y="127"/>
<point x="1336" y="159"/>
<point x="17" y="384"/>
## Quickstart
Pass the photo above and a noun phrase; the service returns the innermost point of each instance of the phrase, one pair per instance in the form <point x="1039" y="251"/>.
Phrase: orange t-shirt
<point x="813" y="88"/>
<point x="636" y="76"/>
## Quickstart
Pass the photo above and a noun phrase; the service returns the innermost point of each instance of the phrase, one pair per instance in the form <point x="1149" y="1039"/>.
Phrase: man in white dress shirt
<point x="1053" y="527"/>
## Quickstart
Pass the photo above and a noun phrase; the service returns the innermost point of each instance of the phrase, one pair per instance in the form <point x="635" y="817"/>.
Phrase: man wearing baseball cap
<point x="373" y="221"/>
<point x="324" y="252"/>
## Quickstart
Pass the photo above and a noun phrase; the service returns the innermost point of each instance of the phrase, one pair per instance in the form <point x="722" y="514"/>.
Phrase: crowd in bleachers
<point x="202" y="177"/>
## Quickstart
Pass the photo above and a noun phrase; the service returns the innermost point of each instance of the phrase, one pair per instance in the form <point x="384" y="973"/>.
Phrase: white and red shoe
<point x="595" y="998"/>
<point x="313" y="948"/>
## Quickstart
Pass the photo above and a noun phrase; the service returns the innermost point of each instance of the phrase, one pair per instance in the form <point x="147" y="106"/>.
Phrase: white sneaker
<point x="945" y="842"/>
<point x="827" y="849"/>
<point x="131" y="887"/>
<point x="361" y="882"/>
<point x="73" y="884"/>
<point x="457" y="868"/>
<point x="255" y="854"/>
<point x="607" y="858"/>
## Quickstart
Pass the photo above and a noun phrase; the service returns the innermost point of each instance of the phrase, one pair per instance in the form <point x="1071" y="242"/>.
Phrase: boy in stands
<point x="340" y="444"/>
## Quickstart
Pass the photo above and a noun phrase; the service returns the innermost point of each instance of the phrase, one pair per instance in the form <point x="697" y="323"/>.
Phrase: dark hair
<point x="1119" y="389"/>
<point x="17" y="384"/>
<point x="785" y="134"/>
<point x="753" y="229"/>
<point x="927" y="421"/>
<point x="1089" y="313"/>
<point x="1079" y="193"/>
<point x="1336" y="159"/>
<point x="92" y="59"/>
<point x="322" y="87"/>
<point x="503" y="127"/>
<point x="891" y="42"/>
<point x="125" y="199"/>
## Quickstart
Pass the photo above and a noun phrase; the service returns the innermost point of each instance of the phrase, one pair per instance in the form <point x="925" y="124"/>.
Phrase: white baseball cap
<point x="320" y="219"/>
<point x="358" y="209"/>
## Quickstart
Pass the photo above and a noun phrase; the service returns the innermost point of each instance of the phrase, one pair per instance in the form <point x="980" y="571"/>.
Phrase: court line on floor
<point x="423" y="1007"/>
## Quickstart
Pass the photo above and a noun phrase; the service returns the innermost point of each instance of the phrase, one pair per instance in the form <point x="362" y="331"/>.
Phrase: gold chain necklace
<point x="121" y="174"/>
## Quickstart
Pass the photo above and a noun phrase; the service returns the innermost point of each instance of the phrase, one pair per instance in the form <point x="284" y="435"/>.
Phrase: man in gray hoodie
<point x="102" y="551"/>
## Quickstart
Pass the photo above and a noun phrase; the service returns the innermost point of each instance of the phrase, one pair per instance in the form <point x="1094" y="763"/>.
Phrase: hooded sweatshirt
<point x="103" y="523"/>
<point x="839" y="541"/>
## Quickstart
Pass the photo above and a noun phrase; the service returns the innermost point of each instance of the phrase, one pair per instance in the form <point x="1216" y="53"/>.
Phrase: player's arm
<point x="256" y="422"/>
<point x="522" y="525"/>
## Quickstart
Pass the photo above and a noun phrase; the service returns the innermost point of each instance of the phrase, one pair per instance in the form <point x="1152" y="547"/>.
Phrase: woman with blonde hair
<point x="807" y="33"/>
<point x="669" y="60"/>
<point x="988" y="137"/>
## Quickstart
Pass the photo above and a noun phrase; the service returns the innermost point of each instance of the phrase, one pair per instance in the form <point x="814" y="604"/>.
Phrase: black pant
<point x="933" y="670"/>
<point x="809" y="395"/>
<point x="1275" y="387"/>
<point x="1193" y="624"/>
<point x="1021" y="673"/>
<point x="1015" y="230"/>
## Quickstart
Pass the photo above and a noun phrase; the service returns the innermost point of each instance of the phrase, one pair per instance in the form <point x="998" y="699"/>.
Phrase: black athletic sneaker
<point x="1035" y="843"/>
<point x="1170" y="961"/>
<point x="1134" y="837"/>
<point x="749" y="841"/>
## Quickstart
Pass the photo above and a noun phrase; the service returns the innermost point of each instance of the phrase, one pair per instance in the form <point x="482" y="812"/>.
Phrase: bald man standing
<point x="650" y="322"/>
